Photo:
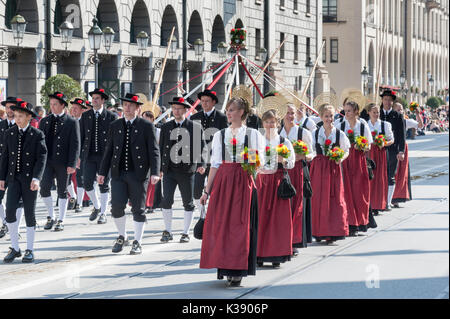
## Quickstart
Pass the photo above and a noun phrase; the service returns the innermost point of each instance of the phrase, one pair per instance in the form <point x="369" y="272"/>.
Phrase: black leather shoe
<point x="71" y="204"/>
<point x="149" y="210"/>
<point x="353" y="233"/>
<point x="102" y="219"/>
<point x="59" y="226"/>
<point x="276" y="265"/>
<point x="235" y="282"/>
<point x="3" y="231"/>
<point x="94" y="214"/>
<point x="136" y="249"/>
<point x="166" y="236"/>
<point x="395" y="205"/>
<point x="78" y="209"/>
<point x="184" y="238"/>
<point x="50" y="223"/>
<point x="86" y="203"/>
<point x="28" y="257"/>
<point x="12" y="255"/>
<point x="259" y="264"/>
<point x="295" y="252"/>
<point x="118" y="245"/>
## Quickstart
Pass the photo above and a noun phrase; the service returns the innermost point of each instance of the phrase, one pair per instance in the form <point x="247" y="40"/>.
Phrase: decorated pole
<point x="156" y="95"/>
<point x="268" y="62"/>
<point x="379" y="70"/>
<point x="319" y="54"/>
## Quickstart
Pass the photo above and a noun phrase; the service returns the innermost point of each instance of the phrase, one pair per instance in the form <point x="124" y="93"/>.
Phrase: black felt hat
<point x="133" y="98"/>
<point x="25" y="107"/>
<point x="180" y="101"/>
<point x="100" y="92"/>
<point x="209" y="93"/>
<point x="80" y="102"/>
<point x="390" y="93"/>
<point x="59" y="96"/>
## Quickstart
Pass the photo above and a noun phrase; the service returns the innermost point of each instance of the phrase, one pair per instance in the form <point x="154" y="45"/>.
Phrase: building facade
<point x="410" y="36"/>
<point x="25" y="68"/>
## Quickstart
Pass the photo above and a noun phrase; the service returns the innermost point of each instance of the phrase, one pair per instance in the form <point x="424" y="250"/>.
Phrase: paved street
<point x="405" y="257"/>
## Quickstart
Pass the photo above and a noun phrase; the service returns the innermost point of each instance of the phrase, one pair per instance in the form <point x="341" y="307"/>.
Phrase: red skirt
<point x="275" y="218"/>
<point x="226" y="232"/>
<point x="402" y="192"/>
<point x="356" y="189"/>
<point x="296" y="175"/>
<point x="379" y="183"/>
<point x="329" y="210"/>
<point x="150" y="195"/>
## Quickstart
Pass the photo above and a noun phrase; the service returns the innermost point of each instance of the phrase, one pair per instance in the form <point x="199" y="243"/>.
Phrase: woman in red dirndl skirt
<point x="301" y="212"/>
<point x="329" y="210"/>
<point x="275" y="217"/>
<point x="379" y="183"/>
<point x="355" y="172"/>
<point x="231" y="224"/>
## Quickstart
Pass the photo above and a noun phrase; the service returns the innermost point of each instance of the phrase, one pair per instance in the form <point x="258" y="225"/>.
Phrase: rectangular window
<point x="295" y="48"/>
<point x="324" y="51"/>
<point x="282" y="48"/>
<point x="308" y="48"/>
<point x="329" y="10"/>
<point x="295" y="6"/>
<point x="308" y="6"/>
<point x="257" y="41"/>
<point x="334" y="50"/>
<point x="281" y="4"/>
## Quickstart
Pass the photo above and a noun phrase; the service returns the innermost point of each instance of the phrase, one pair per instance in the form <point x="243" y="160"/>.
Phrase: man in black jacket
<point x="22" y="165"/>
<point x="62" y="137"/>
<point x="396" y="152"/>
<point x="6" y="124"/>
<point x="212" y="121"/>
<point x="94" y="129"/>
<point x="181" y="143"/>
<point x="131" y="153"/>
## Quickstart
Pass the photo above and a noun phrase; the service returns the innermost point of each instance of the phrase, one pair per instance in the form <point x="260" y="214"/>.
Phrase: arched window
<point x="58" y="20"/>
<point x="10" y="12"/>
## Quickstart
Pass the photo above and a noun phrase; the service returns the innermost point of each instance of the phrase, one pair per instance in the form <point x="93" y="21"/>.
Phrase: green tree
<point x="61" y="83"/>
<point x="434" y="102"/>
<point x="403" y="102"/>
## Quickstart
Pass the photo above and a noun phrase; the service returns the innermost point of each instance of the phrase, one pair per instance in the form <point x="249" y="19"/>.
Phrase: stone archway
<point x="140" y="21"/>
<point x="218" y="33"/>
<point x="169" y="20"/>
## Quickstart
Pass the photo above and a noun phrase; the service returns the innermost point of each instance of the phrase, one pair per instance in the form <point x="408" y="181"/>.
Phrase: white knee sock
<point x="2" y="213"/>
<point x="62" y="205"/>
<point x="138" y="231"/>
<point x="120" y="224"/>
<point x="391" y="189"/>
<point x="93" y="197"/>
<point x="19" y="214"/>
<point x="80" y="195"/>
<point x="14" y="234"/>
<point x="188" y="217"/>
<point x="103" y="202"/>
<point x="71" y="191"/>
<point x="49" y="204"/>
<point x="30" y="237"/>
<point x="167" y="215"/>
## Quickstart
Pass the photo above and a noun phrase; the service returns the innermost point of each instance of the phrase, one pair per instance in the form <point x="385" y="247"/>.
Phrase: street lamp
<point x="18" y="25"/>
<point x="431" y="82"/>
<point x="403" y="78"/>
<point x="95" y="39"/>
<point x="142" y="41"/>
<point x="173" y="46"/>
<point x="108" y="38"/>
<point x="262" y="54"/>
<point x="199" y="47"/>
<point x="222" y="49"/>
<point x="365" y="77"/>
<point x="66" y="30"/>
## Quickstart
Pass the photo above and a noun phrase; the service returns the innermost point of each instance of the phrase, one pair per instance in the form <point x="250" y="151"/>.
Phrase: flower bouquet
<point x="238" y="37"/>
<point x="334" y="153"/>
<point x="300" y="147"/>
<point x="250" y="161"/>
<point x="379" y="140"/>
<point x="283" y="151"/>
<point x="413" y="106"/>
<point x="351" y="136"/>
<point x="362" y="144"/>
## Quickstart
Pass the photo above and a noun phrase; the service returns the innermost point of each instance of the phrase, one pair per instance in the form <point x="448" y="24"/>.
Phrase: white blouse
<point x="293" y="136"/>
<point x="387" y="129"/>
<point x="344" y="142"/>
<point x="356" y="129"/>
<point x="255" y="141"/>
<point x="272" y="167"/>
<point x="310" y="123"/>
<point x="410" y="123"/>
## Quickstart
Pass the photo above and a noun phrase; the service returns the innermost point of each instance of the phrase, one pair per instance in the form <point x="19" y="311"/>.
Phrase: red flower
<point x="181" y="100"/>
<point x="373" y="133"/>
<point x="246" y="156"/>
<point x="87" y="102"/>
<point x="364" y="140"/>
<point x="101" y="90"/>
<point x="59" y="95"/>
<point x="79" y="101"/>
<point x="394" y="93"/>
<point x="135" y="98"/>
<point x="267" y="148"/>
<point x="242" y="37"/>
<point x="350" y="131"/>
<point x="23" y="104"/>
<point x="19" y="99"/>
<point x="233" y="142"/>
<point x="232" y="30"/>
<point x="212" y="92"/>
<point x="328" y="142"/>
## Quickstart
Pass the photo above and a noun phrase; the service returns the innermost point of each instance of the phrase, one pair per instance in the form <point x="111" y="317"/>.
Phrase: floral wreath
<point x="238" y="37"/>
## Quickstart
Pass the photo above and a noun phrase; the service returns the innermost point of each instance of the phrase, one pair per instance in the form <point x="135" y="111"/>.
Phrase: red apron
<point x="379" y="183"/>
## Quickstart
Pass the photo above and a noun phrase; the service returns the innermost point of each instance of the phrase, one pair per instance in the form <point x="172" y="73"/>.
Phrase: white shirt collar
<point x="100" y="110"/>
<point x="388" y="111"/>
<point x="210" y="112"/>
<point x="132" y="120"/>
<point x="11" y="122"/>
<point x="179" y="123"/>
<point x="24" y="129"/>
<point x="59" y="115"/>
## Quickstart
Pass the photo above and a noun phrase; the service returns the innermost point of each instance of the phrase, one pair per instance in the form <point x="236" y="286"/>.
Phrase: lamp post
<point x="142" y="41"/>
<point x="309" y="66"/>
<point x="108" y="37"/>
<point x="66" y="30"/>
<point x="364" y="77"/>
<point x="222" y="49"/>
<point x="18" y="25"/>
<point x="403" y="81"/>
<point x="431" y="82"/>
<point x="173" y="47"/>
<point x="199" y="47"/>
<point x="95" y="39"/>
<point x="262" y="54"/>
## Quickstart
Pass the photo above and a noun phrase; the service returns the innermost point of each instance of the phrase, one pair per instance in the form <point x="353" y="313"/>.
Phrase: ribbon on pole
<point x="251" y="78"/>
<point x="230" y="87"/>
